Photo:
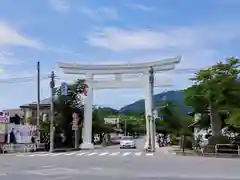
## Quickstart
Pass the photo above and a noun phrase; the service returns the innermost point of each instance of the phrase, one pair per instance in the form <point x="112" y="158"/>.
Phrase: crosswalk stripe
<point x="126" y="153"/>
<point x="103" y="154"/>
<point x="47" y="154"/>
<point x="149" y="154"/>
<point x="69" y="154"/>
<point x="88" y="154"/>
<point x="138" y="154"/>
<point x="91" y="154"/>
<point x="81" y="154"/>
<point x="114" y="154"/>
<point x="56" y="154"/>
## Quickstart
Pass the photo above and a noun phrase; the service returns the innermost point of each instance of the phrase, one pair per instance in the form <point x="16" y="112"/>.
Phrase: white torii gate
<point x="118" y="70"/>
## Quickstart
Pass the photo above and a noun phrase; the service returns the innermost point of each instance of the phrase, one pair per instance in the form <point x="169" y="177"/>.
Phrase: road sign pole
<point x="75" y="128"/>
<point x="76" y="139"/>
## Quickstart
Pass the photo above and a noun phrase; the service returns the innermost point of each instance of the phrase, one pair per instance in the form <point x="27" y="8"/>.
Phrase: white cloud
<point x="180" y="38"/>
<point x="141" y="7"/>
<point x="8" y="58"/>
<point x="100" y="14"/>
<point x="10" y="36"/>
<point x="121" y="39"/>
<point x="60" y="5"/>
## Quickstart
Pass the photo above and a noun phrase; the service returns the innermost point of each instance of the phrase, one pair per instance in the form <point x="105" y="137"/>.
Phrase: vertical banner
<point x="2" y="128"/>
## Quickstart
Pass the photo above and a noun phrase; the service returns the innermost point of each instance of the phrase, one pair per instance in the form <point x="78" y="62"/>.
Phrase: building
<point x="30" y="110"/>
<point x="13" y="112"/>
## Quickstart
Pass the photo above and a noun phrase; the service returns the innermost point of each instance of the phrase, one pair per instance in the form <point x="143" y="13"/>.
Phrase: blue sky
<point x="110" y="31"/>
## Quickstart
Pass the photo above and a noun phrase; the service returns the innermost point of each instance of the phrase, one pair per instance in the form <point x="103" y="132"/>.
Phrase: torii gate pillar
<point x="87" y="123"/>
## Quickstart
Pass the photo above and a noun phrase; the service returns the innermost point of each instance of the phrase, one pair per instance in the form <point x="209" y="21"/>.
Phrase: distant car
<point x="127" y="142"/>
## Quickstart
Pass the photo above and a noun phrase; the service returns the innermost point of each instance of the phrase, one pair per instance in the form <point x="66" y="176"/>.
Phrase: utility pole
<point x="125" y="127"/>
<point x="149" y="136"/>
<point x="52" y="86"/>
<point x="152" y="122"/>
<point x="38" y="103"/>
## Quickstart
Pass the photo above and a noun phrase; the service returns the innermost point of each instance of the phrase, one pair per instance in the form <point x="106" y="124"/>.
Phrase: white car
<point x="127" y="142"/>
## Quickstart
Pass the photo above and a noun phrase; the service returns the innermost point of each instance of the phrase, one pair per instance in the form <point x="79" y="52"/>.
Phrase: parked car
<point x="127" y="142"/>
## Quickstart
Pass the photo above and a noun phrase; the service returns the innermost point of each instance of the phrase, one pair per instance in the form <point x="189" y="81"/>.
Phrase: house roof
<point x="44" y="102"/>
<point x="12" y="112"/>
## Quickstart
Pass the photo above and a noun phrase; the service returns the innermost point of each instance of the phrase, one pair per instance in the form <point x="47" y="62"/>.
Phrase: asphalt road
<point x="100" y="166"/>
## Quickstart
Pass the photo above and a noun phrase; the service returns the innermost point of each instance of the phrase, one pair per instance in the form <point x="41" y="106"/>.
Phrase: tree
<point x="65" y="106"/>
<point x="215" y="89"/>
<point x="99" y="127"/>
<point x="173" y="120"/>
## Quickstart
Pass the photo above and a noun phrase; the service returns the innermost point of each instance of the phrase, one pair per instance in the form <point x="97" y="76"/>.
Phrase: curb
<point x="66" y="150"/>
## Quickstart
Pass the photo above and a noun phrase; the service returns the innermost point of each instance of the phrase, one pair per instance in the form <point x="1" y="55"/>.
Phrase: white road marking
<point x="138" y="154"/>
<point x="47" y="154"/>
<point x="149" y="154"/>
<point x="81" y="154"/>
<point x="56" y="154"/>
<point x="47" y="166"/>
<point x="69" y="154"/>
<point x="115" y="153"/>
<point x="91" y="154"/>
<point x="103" y="154"/>
<point x="126" y="154"/>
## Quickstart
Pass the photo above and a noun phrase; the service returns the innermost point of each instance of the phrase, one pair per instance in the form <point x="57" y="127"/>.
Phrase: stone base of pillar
<point x="146" y="145"/>
<point x="86" y="146"/>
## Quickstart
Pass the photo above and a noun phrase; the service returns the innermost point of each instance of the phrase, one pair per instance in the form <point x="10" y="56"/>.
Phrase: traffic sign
<point x="161" y="116"/>
<point x="75" y="124"/>
<point x="75" y="127"/>
<point x="75" y="121"/>
<point x="74" y="115"/>
<point x="64" y="88"/>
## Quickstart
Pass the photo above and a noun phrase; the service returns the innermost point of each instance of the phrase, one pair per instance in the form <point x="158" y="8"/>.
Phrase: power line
<point x="20" y="80"/>
<point x="65" y="77"/>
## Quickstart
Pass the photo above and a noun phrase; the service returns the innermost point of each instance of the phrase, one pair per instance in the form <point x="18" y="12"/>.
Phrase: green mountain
<point x="176" y="97"/>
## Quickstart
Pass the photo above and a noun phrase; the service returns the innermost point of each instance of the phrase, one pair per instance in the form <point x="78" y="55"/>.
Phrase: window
<point x="127" y="138"/>
<point x="34" y="113"/>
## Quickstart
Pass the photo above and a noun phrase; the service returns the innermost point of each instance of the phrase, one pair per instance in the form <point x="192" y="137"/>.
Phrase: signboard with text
<point x="4" y="118"/>
<point x="75" y="121"/>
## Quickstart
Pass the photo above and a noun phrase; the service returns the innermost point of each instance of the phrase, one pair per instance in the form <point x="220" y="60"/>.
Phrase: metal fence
<point x="222" y="150"/>
<point x="218" y="150"/>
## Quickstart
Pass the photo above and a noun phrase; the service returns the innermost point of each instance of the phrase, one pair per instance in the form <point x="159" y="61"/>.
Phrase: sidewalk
<point x="175" y="150"/>
<point x="166" y="150"/>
